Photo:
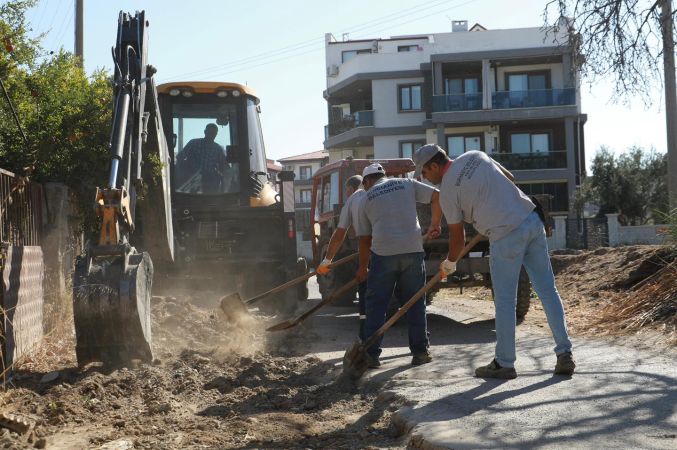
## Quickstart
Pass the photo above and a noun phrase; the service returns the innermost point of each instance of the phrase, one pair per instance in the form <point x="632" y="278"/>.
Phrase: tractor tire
<point x="523" y="296"/>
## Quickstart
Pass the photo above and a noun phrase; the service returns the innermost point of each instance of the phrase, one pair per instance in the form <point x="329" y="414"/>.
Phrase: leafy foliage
<point x="64" y="113"/>
<point x="633" y="184"/>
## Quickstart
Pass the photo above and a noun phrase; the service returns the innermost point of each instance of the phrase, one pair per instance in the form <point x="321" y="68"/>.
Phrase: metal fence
<point x="587" y="233"/>
<point x="20" y="210"/>
<point x="21" y="269"/>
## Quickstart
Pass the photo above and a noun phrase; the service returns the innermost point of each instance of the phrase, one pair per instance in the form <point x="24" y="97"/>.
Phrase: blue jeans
<point x="524" y="245"/>
<point x="407" y="271"/>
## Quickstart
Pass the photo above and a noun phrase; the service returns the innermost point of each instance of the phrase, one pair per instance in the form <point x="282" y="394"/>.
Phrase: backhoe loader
<point x="188" y="187"/>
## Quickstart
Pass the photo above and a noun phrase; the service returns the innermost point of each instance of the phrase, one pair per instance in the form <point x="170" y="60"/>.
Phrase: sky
<point x="277" y="48"/>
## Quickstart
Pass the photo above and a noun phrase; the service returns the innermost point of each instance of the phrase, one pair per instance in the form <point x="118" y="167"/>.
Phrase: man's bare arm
<point x="335" y="243"/>
<point x="456" y="240"/>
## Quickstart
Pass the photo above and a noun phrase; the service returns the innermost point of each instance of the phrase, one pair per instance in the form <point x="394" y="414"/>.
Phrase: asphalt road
<point x="622" y="395"/>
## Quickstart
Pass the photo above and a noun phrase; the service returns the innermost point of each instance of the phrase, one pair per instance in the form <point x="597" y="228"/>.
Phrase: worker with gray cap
<point x="347" y="218"/>
<point x="391" y="253"/>
<point x="478" y="190"/>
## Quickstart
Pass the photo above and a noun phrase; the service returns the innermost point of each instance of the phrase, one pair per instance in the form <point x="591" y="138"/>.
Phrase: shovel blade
<point x="355" y="362"/>
<point x="233" y="307"/>
<point x="285" y="325"/>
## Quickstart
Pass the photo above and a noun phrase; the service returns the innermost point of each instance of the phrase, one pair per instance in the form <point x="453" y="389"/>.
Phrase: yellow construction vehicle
<point x="188" y="186"/>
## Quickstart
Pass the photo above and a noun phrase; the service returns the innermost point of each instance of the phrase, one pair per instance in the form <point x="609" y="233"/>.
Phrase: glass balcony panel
<point x="556" y="159"/>
<point x="533" y="98"/>
<point x="457" y="102"/>
<point x="357" y="119"/>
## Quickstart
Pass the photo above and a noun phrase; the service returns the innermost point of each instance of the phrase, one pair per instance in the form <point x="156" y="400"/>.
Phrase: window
<point x="206" y="154"/>
<point x="407" y="48"/>
<point x="407" y="148"/>
<point x="305" y="172"/>
<point x="558" y="190"/>
<point x="457" y="145"/>
<point x="464" y="85"/>
<point x="530" y="142"/>
<point x="347" y="55"/>
<point x="528" y="81"/>
<point x="330" y="192"/>
<point x="410" y="97"/>
<point x="304" y="195"/>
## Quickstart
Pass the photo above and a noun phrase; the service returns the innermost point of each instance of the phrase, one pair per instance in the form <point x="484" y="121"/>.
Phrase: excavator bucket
<point x="111" y="306"/>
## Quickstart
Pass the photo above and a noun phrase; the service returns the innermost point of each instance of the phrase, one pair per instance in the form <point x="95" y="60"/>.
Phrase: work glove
<point x="448" y="267"/>
<point x="324" y="268"/>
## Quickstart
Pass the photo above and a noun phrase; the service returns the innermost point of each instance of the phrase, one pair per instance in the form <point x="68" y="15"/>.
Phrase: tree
<point x="633" y="42"/>
<point x="65" y="114"/>
<point x="632" y="184"/>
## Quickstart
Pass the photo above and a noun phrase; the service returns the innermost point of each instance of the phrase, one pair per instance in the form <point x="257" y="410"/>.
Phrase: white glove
<point x="448" y="267"/>
<point x="323" y="268"/>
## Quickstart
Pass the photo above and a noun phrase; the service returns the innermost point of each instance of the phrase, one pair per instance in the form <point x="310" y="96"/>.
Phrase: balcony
<point x="533" y="98"/>
<point x="556" y="159"/>
<point x="457" y="102"/>
<point x="355" y="120"/>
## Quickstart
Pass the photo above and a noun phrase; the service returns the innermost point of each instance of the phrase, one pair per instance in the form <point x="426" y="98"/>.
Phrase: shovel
<point x="355" y="360"/>
<point x="285" y="325"/>
<point x="233" y="306"/>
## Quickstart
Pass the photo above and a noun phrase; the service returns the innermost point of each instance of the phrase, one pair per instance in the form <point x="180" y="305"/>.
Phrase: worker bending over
<point x="476" y="189"/>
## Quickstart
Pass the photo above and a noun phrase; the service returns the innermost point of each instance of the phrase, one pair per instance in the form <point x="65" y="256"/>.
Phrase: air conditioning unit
<point x="332" y="71"/>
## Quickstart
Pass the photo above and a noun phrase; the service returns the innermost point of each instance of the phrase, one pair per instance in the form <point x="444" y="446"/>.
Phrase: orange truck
<point x="328" y="197"/>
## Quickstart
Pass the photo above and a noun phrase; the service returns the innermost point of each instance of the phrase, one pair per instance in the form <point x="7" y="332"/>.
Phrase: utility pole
<point x="670" y="97"/>
<point x="79" y="25"/>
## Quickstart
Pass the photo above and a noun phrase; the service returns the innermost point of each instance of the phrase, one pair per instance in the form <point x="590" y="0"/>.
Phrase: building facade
<point x="513" y="94"/>
<point x="304" y="167"/>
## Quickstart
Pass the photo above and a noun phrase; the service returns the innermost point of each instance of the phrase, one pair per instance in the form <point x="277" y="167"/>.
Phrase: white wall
<point x="386" y="147"/>
<point x="386" y="109"/>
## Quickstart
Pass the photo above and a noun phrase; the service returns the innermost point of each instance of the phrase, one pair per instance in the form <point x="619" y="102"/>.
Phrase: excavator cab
<point x="233" y="230"/>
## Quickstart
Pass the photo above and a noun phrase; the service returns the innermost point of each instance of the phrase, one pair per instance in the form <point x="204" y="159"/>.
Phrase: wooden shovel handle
<point x="298" y="280"/>
<point x="331" y="299"/>
<point x="403" y="310"/>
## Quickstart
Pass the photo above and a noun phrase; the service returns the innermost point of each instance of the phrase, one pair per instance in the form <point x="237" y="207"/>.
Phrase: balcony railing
<point x="533" y="98"/>
<point x="357" y="119"/>
<point x="457" y="102"/>
<point x="556" y="159"/>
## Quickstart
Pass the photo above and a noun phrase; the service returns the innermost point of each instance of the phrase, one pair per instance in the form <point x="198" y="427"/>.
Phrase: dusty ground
<point x="212" y="386"/>
<point x="217" y="385"/>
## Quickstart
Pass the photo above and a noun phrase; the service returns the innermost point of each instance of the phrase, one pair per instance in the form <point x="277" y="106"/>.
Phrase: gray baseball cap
<point x="424" y="154"/>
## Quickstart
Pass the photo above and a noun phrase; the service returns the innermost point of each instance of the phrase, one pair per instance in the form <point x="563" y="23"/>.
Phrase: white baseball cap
<point x="372" y="169"/>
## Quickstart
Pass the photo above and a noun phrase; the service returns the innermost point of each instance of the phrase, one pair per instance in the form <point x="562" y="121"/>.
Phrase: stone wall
<point x="62" y="242"/>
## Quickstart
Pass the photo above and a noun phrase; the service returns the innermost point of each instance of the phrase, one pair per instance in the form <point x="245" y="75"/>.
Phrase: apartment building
<point x="304" y="166"/>
<point x="511" y="93"/>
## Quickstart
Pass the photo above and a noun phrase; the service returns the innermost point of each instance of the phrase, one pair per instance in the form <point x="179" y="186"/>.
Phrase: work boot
<point x="494" y="370"/>
<point x="373" y="362"/>
<point x="565" y="364"/>
<point x="421" y="358"/>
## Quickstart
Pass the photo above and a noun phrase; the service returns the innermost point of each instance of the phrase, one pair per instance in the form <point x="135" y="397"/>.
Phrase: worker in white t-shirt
<point x="476" y="189"/>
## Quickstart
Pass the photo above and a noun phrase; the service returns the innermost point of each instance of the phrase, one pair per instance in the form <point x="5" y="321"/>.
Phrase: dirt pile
<point x="622" y="289"/>
<point x="212" y="385"/>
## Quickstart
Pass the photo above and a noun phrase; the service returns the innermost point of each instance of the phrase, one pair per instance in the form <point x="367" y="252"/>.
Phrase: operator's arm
<point x="364" y="250"/>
